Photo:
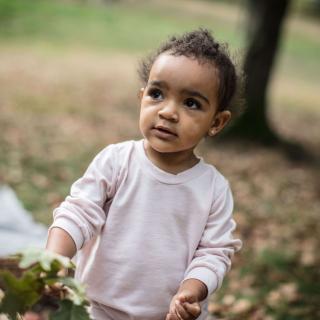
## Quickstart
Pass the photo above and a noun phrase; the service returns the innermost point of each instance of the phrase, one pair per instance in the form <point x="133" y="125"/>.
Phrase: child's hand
<point x="32" y="316"/>
<point x="184" y="307"/>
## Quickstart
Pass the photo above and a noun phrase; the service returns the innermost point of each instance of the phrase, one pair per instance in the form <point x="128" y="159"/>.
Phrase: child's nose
<point x="169" y="112"/>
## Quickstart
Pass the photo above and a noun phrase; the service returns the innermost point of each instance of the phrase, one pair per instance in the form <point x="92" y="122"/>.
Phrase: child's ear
<point x="219" y="122"/>
<point x="140" y="93"/>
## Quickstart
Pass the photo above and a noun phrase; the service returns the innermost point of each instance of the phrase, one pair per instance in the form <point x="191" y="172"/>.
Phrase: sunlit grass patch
<point x="124" y="26"/>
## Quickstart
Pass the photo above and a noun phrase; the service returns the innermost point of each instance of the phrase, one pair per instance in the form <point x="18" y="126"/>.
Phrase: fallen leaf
<point x="242" y="306"/>
<point x="214" y="307"/>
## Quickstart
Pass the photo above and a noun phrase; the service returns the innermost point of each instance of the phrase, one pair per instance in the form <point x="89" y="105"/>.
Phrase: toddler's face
<point x="179" y="104"/>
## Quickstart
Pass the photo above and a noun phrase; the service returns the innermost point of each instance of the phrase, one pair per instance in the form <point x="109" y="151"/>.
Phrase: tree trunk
<point x="264" y="29"/>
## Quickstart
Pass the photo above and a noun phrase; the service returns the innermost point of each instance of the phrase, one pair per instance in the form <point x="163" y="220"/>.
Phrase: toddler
<point x="150" y="221"/>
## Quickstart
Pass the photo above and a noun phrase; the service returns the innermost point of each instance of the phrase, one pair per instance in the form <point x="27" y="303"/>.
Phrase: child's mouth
<point x="164" y="132"/>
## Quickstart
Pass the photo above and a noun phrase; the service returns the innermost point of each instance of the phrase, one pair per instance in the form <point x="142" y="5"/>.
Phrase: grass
<point x="114" y="27"/>
<point x="68" y="87"/>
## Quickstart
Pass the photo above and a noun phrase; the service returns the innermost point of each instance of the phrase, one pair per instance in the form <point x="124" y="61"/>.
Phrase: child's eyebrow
<point x="158" y="83"/>
<point x="195" y="94"/>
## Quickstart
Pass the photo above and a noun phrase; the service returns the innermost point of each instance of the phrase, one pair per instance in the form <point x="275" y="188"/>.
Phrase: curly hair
<point x="200" y="45"/>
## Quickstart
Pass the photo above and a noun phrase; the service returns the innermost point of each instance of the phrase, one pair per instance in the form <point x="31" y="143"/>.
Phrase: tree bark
<point x="264" y="29"/>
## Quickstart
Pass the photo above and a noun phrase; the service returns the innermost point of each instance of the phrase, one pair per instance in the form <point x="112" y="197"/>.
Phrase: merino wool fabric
<point x="141" y="231"/>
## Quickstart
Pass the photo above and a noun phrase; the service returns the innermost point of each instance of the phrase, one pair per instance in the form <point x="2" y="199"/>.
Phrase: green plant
<point x="43" y="286"/>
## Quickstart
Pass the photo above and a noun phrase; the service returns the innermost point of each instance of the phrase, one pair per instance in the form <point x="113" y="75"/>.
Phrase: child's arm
<point x="59" y="241"/>
<point x="82" y="215"/>
<point x="212" y="259"/>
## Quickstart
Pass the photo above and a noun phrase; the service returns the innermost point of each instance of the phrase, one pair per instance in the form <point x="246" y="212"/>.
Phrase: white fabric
<point x="141" y="231"/>
<point x="18" y="230"/>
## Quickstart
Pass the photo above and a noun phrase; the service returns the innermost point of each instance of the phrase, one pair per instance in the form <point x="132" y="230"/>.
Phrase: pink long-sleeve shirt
<point x="141" y="231"/>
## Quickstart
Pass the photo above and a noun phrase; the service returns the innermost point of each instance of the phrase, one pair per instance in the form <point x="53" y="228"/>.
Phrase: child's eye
<point x="192" y="103"/>
<point x="155" y="94"/>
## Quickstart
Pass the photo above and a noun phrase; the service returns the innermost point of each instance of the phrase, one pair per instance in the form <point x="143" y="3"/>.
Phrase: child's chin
<point x="162" y="146"/>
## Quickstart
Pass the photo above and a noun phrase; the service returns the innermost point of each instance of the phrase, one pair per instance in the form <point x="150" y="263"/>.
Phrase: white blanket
<point x="17" y="228"/>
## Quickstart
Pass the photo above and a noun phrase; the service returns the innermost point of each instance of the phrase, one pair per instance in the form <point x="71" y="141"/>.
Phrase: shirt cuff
<point x="71" y="228"/>
<point x="208" y="277"/>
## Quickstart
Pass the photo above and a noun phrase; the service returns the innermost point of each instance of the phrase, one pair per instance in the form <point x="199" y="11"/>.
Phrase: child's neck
<point x="172" y="162"/>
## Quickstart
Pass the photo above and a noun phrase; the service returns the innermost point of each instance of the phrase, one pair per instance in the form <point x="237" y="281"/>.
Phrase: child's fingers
<point x="63" y="272"/>
<point x="31" y="316"/>
<point x="181" y="311"/>
<point x="172" y="309"/>
<point x="171" y="316"/>
<point x="192" y="308"/>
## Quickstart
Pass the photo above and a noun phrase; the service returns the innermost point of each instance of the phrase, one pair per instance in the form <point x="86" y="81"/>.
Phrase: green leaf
<point x="11" y="303"/>
<point x="69" y="311"/>
<point x="45" y="258"/>
<point x="41" y="269"/>
<point x="20" y="293"/>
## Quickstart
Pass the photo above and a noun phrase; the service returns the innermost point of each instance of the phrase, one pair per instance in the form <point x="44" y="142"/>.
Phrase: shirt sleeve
<point x="82" y="213"/>
<point x="212" y="259"/>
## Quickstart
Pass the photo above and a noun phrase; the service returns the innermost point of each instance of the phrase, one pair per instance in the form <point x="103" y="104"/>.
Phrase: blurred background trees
<point x="264" y="24"/>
